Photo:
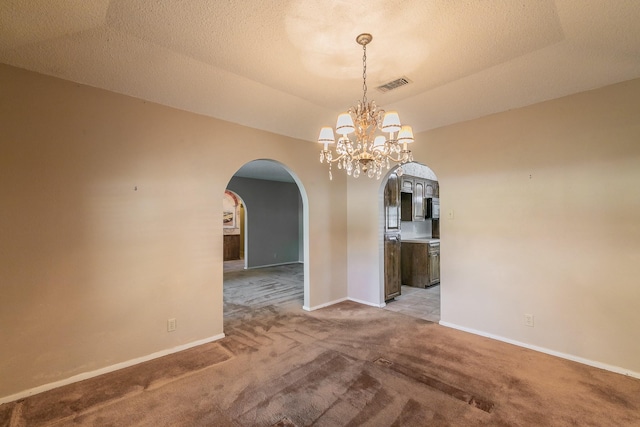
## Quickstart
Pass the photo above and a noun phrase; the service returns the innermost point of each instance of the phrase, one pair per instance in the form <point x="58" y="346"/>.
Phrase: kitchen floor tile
<point x="417" y="302"/>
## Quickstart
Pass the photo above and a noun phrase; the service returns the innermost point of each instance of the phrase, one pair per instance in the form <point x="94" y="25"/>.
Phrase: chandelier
<point x="365" y="152"/>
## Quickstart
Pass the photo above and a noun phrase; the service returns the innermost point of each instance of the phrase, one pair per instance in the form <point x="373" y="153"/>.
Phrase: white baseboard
<point x="595" y="364"/>
<point x="327" y="304"/>
<point x="341" y="300"/>
<point x="107" y="369"/>
<point x="273" y="265"/>
<point x="359" y="301"/>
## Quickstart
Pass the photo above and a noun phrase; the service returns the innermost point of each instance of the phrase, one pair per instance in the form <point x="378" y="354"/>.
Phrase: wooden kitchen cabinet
<point x="392" y="275"/>
<point x="392" y="204"/>
<point x="413" y="192"/>
<point x="406" y="199"/>
<point x="392" y="278"/>
<point x="418" y="200"/>
<point x="412" y="198"/>
<point x="414" y="264"/>
<point x="407" y="184"/>
<point x="434" y="263"/>
<point x="429" y="190"/>
<point x="420" y="264"/>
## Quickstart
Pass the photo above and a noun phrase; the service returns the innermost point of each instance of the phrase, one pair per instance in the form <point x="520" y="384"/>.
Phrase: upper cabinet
<point x="418" y="200"/>
<point x="406" y="199"/>
<point x="413" y="192"/>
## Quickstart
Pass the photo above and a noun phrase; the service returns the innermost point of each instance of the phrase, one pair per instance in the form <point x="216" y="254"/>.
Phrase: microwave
<point x="433" y="208"/>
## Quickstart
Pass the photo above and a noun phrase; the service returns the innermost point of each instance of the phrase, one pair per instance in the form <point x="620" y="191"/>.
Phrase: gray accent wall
<point x="273" y="212"/>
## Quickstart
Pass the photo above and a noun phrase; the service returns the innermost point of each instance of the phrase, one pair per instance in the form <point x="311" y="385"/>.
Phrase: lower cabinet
<point x="434" y="263"/>
<point x="420" y="264"/>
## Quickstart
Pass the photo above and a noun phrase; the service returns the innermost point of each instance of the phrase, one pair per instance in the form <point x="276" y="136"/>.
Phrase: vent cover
<point x="394" y="84"/>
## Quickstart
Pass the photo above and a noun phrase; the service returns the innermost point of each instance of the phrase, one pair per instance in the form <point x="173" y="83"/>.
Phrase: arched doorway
<point x="410" y="250"/>
<point x="233" y="219"/>
<point x="276" y="239"/>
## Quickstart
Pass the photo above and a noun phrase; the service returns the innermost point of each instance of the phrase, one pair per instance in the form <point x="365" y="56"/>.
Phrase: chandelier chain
<point x="364" y="74"/>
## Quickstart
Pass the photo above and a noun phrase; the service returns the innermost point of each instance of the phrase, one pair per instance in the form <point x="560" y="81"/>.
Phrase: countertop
<point x="424" y="240"/>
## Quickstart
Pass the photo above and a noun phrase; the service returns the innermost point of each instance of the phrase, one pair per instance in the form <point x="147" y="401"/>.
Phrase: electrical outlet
<point x="528" y="320"/>
<point x="171" y="325"/>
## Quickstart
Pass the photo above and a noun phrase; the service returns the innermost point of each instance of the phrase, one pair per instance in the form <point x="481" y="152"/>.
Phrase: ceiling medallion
<point x="366" y="153"/>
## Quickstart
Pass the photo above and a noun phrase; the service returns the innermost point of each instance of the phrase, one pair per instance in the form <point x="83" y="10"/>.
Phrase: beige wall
<point x="110" y="225"/>
<point x="546" y="221"/>
<point x="546" y="204"/>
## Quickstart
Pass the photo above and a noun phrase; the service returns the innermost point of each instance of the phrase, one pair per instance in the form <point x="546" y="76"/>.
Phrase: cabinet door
<point x="429" y="190"/>
<point x="414" y="264"/>
<point x="392" y="283"/>
<point x="434" y="266"/>
<point x="392" y="203"/>
<point x="407" y="185"/>
<point x="418" y="201"/>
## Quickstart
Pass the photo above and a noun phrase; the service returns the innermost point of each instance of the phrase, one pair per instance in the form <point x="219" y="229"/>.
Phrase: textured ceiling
<point x="290" y="66"/>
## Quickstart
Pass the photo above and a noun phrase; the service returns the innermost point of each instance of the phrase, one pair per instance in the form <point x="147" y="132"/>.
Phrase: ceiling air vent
<point x="394" y="84"/>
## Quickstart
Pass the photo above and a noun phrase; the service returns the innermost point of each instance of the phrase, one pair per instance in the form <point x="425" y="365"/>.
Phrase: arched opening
<point x="233" y="232"/>
<point x="274" y="274"/>
<point x="410" y="249"/>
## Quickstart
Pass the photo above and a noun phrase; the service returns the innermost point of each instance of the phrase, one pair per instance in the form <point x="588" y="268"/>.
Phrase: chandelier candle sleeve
<point x="367" y="152"/>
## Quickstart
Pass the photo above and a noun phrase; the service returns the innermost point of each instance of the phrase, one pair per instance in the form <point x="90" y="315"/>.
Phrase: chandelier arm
<point x="333" y="160"/>
<point x="403" y="159"/>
